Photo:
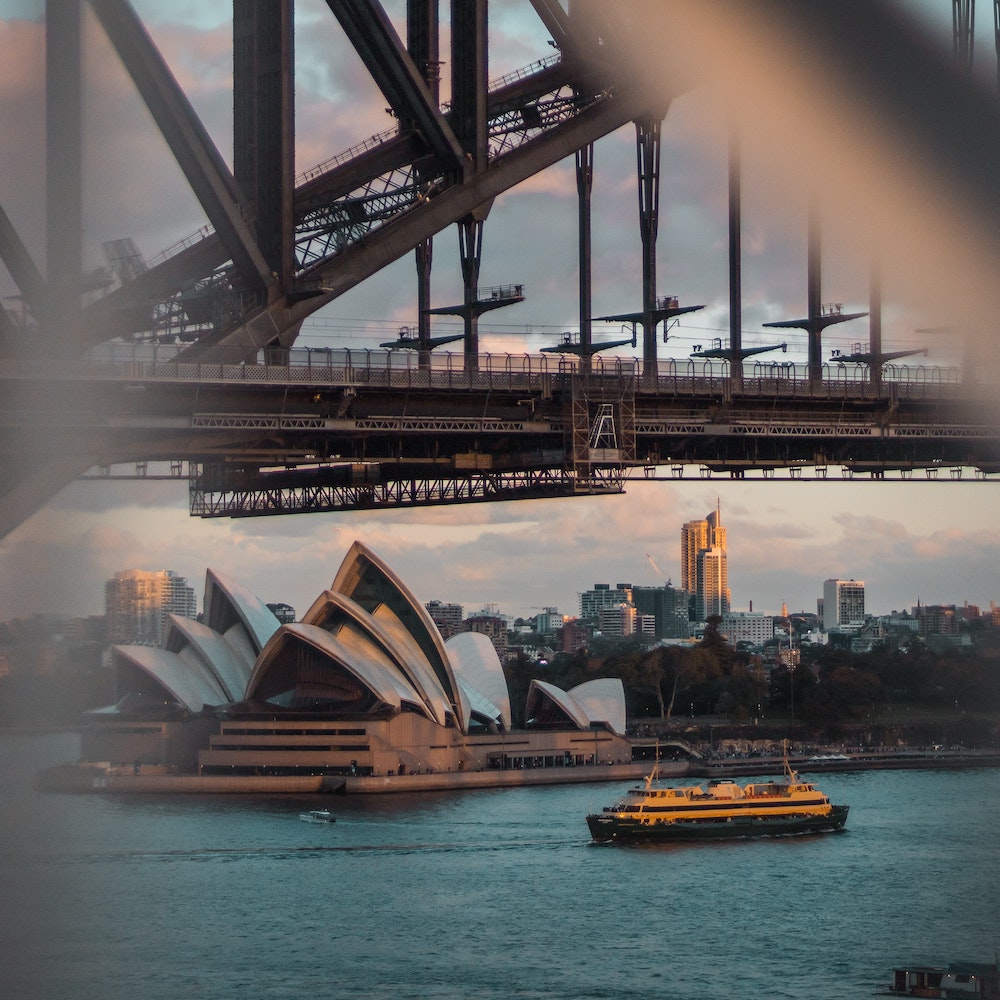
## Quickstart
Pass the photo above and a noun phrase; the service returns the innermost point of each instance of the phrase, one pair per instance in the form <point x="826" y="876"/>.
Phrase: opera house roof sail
<point x="368" y="581"/>
<point x="597" y="701"/>
<point x="239" y="616"/>
<point x="366" y="664"/>
<point x="306" y="668"/>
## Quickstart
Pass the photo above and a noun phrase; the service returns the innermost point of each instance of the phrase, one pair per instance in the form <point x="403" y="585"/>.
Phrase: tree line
<point x="829" y="686"/>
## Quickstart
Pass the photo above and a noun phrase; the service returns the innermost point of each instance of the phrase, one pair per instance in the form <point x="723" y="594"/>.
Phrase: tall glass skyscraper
<point x="137" y="602"/>
<point x="704" y="565"/>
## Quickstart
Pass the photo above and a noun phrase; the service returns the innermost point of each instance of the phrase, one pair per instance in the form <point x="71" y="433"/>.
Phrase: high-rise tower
<point x="843" y="604"/>
<point x="704" y="565"/>
<point x="137" y="602"/>
<point x="694" y="538"/>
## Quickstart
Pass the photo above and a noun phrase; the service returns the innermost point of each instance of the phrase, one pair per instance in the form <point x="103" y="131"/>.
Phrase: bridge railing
<point x="528" y="372"/>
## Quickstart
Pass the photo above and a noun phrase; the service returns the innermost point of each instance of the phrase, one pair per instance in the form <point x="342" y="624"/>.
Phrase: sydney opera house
<point x="363" y="686"/>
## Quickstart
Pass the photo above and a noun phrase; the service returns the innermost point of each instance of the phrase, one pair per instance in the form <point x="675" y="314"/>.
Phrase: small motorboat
<point x="318" y="816"/>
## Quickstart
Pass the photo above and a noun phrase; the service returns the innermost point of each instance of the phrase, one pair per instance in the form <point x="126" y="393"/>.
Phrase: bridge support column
<point x="584" y="186"/>
<point x="470" y="78"/>
<point x="470" y="241"/>
<point x="814" y="291"/>
<point x="735" y="257"/>
<point x="424" y="258"/>
<point x="875" y="322"/>
<point x="648" y="159"/>
<point x="963" y="22"/>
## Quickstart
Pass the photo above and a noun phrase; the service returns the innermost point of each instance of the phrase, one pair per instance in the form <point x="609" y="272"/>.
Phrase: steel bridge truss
<point x="277" y="248"/>
<point x="211" y="496"/>
<point x="325" y="231"/>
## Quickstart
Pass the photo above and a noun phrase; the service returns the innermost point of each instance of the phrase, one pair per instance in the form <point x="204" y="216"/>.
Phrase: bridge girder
<point x="269" y="302"/>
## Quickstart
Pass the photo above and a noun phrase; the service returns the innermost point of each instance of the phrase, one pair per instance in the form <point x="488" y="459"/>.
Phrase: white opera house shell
<point x="363" y="685"/>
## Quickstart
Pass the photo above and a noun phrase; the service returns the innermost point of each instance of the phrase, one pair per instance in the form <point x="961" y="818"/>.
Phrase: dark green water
<point x="486" y="894"/>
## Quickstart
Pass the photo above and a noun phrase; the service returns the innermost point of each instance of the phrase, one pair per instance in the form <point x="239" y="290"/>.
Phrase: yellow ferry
<point x="719" y="810"/>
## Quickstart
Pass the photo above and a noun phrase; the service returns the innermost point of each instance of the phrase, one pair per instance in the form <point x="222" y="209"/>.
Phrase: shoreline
<point x="84" y="778"/>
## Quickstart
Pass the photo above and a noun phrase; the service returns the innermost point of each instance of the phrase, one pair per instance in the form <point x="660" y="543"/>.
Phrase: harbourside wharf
<point x="150" y="780"/>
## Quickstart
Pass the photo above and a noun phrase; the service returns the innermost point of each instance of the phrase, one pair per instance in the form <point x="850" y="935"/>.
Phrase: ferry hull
<point x="606" y="827"/>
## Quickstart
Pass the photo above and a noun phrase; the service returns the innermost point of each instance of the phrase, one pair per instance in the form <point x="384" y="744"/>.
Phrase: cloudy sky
<point x="934" y="542"/>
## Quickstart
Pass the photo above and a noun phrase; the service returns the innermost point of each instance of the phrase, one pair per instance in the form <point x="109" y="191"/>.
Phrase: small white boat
<point x="318" y="816"/>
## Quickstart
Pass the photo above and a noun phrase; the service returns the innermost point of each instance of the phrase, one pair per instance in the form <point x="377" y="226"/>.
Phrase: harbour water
<point x="493" y="894"/>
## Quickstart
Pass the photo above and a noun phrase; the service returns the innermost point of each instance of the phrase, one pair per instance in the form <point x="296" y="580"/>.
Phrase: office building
<point x="668" y="607"/>
<point x="447" y="617"/>
<point x="618" y="621"/>
<point x="602" y="596"/>
<point x="747" y="626"/>
<point x="694" y="538"/>
<point x="493" y="626"/>
<point x="285" y="613"/>
<point x="575" y="635"/>
<point x="843" y="605"/>
<point x="548" y="622"/>
<point x="712" y="595"/>
<point x="137" y="603"/>
<point x="704" y="565"/>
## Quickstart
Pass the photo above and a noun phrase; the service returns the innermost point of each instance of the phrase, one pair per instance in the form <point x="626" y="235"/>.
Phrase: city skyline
<point x="932" y="542"/>
<point x="508" y="555"/>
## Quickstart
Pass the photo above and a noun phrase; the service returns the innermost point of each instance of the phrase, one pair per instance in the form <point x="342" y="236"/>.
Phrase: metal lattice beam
<point x="473" y="488"/>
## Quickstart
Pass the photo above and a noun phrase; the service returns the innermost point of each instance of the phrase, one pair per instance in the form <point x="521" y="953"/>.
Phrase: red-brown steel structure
<point x="278" y="248"/>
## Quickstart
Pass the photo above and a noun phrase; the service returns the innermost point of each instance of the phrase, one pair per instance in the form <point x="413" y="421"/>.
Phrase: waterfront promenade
<point x="94" y="778"/>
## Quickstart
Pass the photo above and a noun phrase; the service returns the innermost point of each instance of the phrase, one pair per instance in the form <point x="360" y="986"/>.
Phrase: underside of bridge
<point x="261" y="434"/>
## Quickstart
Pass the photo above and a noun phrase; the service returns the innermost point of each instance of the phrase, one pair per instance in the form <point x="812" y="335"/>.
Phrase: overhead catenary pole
<point x="814" y="292"/>
<point x="735" y="255"/>
<point x="875" y="320"/>
<point x="584" y="186"/>
<point x="647" y="131"/>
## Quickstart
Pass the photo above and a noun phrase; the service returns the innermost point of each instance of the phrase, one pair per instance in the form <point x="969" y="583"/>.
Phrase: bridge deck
<point x="350" y="429"/>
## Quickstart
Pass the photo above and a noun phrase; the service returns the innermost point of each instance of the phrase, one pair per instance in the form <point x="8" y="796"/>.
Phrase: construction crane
<point x="659" y="572"/>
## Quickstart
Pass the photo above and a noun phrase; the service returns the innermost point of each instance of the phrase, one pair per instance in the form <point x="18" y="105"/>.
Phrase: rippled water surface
<point x="488" y="894"/>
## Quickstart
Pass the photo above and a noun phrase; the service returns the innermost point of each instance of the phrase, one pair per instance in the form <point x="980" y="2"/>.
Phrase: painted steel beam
<point x="63" y="163"/>
<point x="399" y="237"/>
<point x="264" y="125"/>
<point x="21" y="266"/>
<point x="190" y="143"/>
<point x="107" y="317"/>
<point x="27" y="489"/>
<point x="371" y="33"/>
<point x="470" y="78"/>
<point x="423" y="42"/>
<point x="555" y="19"/>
